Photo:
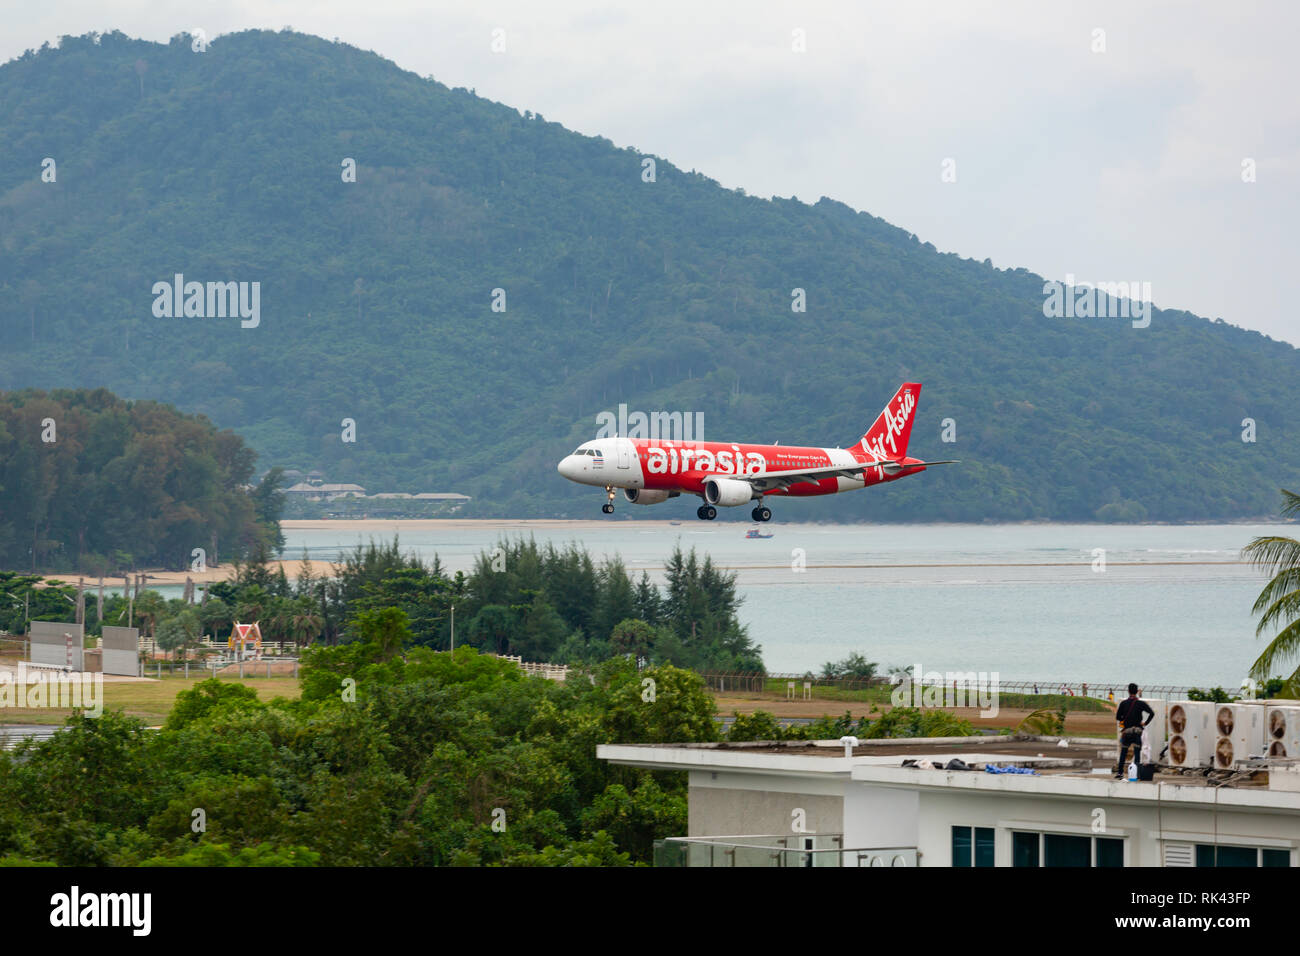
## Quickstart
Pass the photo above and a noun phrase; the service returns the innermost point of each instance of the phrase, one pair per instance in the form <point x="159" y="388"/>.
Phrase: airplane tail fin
<point x="888" y="437"/>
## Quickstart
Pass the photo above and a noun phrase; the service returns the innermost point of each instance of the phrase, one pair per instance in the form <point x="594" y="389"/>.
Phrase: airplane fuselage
<point x="685" y="466"/>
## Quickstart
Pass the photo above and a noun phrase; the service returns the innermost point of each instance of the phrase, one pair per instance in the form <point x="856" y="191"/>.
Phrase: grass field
<point x="1089" y="723"/>
<point x="151" y="701"/>
<point x="880" y="695"/>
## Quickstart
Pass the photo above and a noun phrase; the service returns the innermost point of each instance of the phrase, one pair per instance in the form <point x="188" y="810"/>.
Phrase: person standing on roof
<point x="1128" y="715"/>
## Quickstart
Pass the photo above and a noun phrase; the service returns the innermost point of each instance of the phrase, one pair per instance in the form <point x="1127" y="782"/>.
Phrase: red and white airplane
<point x="728" y="474"/>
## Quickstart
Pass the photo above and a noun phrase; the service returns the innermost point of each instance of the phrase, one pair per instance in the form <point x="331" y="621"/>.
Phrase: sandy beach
<point x="381" y="527"/>
<point x="155" y="577"/>
<point x="381" y="530"/>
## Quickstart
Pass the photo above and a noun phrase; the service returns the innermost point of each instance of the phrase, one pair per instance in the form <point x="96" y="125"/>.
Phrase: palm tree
<point x="281" y="620"/>
<point x="1279" y="602"/>
<point x="150" y="606"/>
<point x="305" y="623"/>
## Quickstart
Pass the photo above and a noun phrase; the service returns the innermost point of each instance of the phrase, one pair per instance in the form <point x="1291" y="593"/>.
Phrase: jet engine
<point x="648" y="496"/>
<point x="727" y="492"/>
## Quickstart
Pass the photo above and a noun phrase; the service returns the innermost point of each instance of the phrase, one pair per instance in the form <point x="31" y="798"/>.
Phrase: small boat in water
<point x="757" y="533"/>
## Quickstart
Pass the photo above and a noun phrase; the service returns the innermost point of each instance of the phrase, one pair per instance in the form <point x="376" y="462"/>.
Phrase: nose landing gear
<point x="608" y="506"/>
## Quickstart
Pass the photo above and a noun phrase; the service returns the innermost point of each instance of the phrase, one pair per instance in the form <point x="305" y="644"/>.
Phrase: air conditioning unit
<point x="1157" y="730"/>
<point x="1282" y="732"/>
<point x="1238" y="734"/>
<point x="1191" y="739"/>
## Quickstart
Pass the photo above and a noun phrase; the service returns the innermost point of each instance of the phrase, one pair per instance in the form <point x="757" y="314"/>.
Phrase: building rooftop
<point x="1075" y="765"/>
<point x="304" y="487"/>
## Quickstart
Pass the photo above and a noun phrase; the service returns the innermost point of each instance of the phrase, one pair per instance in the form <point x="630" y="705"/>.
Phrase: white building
<point x="808" y="804"/>
<point x="325" y="492"/>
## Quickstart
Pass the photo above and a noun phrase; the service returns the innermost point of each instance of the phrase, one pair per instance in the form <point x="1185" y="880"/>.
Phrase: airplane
<point x="727" y="474"/>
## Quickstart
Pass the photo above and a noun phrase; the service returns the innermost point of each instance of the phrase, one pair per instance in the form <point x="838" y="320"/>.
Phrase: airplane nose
<point x="567" y="467"/>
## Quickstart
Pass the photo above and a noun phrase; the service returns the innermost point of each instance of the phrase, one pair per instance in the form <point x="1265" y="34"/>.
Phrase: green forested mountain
<point x="376" y="300"/>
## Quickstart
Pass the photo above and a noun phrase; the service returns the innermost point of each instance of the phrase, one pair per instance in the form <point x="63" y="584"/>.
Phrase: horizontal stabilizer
<point x="894" y="467"/>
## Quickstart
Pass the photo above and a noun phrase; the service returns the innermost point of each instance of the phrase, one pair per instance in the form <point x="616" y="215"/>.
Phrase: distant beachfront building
<point x="325" y="492"/>
<point x="315" y="489"/>
<point x="422" y="496"/>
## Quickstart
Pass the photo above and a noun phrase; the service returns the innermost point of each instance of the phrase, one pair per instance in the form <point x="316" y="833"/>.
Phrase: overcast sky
<point x="1119" y="165"/>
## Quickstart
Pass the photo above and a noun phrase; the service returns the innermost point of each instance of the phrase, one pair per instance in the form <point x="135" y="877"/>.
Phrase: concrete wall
<point x="732" y="804"/>
<point x="877" y="817"/>
<point x="122" y="650"/>
<point x="50" y="646"/>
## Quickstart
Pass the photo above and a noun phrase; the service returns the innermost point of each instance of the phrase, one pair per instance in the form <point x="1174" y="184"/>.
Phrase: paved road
<point x="12" y="734"/>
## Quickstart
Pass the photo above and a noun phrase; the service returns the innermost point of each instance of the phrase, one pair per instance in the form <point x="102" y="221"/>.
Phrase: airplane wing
<point x="772" y="480"/>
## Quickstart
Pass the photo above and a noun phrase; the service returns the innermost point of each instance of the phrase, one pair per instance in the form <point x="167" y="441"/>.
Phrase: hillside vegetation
<point x="376" y="301"/>
<point x="91" y="482"/>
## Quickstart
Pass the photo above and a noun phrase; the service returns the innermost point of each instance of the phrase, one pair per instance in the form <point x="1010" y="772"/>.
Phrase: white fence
<point x="222" y="667"/>
<point x="272" y="648"/>
<point x="556" y="672"/>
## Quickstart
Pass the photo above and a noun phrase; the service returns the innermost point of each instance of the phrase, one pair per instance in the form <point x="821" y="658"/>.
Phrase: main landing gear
<point x="608" y="506"/>
<point x="706" y="512"/>
<point x="761" y="513"/>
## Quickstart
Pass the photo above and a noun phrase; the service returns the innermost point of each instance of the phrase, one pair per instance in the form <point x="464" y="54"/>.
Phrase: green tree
<point x="306" y="622"/>
<point x="631" y="636"/>
<point x="179" y="632"/>
<point x="760" y="725"/>
<point x="268" y="505"/>
<point x="1278" y="604"/>
<point x="662" y="704"/>
<point x="855" y="666"/>
<point x="219" y="854"/>
<point x="205" y="697"/>
<point x="386" y="628"/>
<point x="634" y="820"/>
<point x="916" y="722"/>
<point x="216" y="617"/>
<point x="150" y="607"/>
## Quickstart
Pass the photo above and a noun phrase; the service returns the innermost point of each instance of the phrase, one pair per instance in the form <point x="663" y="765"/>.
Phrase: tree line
<point x="521" y="599"/>
<point x="94" y="483"/>
<point x="539" y="603"/>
